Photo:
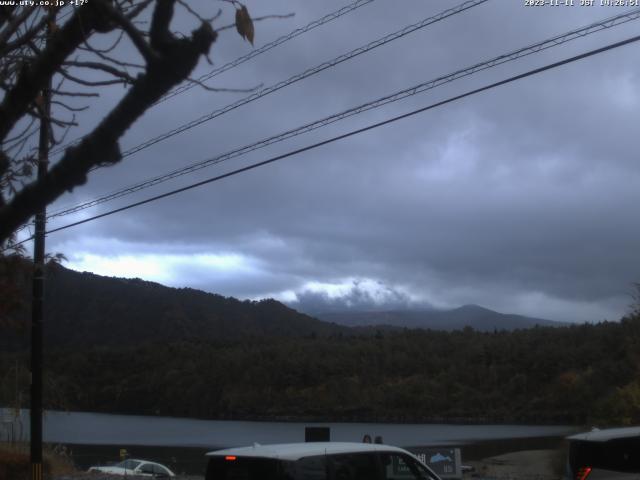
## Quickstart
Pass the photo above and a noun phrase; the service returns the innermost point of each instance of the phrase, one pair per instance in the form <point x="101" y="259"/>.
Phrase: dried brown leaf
<point x="239" y="24"/>
<point x="244" y="24"/>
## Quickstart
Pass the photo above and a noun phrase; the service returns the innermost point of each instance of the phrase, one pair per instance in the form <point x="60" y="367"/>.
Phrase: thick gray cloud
<point x="520" y="199"/>
<point x="354" y="296"/>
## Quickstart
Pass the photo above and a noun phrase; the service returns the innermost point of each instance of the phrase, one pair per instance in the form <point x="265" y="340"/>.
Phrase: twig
<point x="101" y="66"/>
<point x="228" y="90"/>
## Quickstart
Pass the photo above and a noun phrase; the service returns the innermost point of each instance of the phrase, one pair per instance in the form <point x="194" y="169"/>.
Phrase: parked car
<point x="608" y="454"/>
<point x="139" y="468"/>
<point x="317" y="461"/>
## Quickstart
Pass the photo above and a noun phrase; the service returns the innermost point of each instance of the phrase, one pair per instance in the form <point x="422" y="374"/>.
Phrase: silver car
<point x="136" y="468"/>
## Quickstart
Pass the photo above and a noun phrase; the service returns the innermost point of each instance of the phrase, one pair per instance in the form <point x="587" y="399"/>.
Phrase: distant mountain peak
<point x="474" y="307"/>
<point x="472" y="315"/>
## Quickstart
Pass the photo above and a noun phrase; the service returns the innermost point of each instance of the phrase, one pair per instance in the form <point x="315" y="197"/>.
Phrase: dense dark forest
<point x="586" y="374"/>
<point x="129" y="346"/>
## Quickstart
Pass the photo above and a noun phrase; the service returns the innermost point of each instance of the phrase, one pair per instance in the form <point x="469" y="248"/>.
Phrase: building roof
<point x="295" y="451"/>
<point x="607" y="434"/>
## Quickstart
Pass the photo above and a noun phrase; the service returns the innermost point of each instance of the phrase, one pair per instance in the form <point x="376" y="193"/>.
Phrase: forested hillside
<point x="85" y="309"/>
<point x="585" y="374"/>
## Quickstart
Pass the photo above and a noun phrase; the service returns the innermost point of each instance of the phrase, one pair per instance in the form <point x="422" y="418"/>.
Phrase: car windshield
<point x="128" y="464"/>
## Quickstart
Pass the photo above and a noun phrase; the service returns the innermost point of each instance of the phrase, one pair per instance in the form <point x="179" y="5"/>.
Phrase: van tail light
<point x="231" y="458"/>
<point x="583" y="473"/>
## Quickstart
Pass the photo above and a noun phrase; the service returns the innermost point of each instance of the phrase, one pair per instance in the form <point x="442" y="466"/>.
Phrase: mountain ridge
<point x="82" y="308"/>
<point x="470" y="315"/>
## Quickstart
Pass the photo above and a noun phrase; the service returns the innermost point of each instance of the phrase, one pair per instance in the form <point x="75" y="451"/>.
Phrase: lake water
<point x="96" y="438"/>
<point x="105" y="429"/>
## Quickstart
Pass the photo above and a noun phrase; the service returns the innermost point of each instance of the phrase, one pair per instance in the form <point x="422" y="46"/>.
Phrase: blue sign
<point x="444" y="461"/>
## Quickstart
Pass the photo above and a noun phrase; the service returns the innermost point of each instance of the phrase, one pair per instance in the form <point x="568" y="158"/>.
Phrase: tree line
<point x="582" y="374"/>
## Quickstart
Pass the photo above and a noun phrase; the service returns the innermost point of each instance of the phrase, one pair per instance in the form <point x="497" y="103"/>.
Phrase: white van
<point x="317" y="461"/>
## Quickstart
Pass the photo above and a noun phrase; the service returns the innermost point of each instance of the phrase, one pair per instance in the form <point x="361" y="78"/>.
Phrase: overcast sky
<point x="522" y="199"/>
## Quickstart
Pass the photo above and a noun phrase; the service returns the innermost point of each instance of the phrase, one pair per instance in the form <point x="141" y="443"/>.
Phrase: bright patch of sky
<point x="158" y="267"/>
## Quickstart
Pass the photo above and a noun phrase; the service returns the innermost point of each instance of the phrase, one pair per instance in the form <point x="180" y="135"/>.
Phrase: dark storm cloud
<point x="519" y="199"/>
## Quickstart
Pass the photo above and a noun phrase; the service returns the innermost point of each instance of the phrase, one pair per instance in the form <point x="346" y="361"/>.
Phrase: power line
<point x="420" y="88"/>
<point x="265" y="48"/>
<point x="254" y="53"/>
<point x="514" y="78"/>
<point x="306" y="74"/>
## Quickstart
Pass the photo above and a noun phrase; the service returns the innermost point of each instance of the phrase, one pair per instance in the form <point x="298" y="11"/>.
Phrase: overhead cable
<point x="407" y="92"/>
<point x="254" y="53"/>
<point x="253" y="166"/>
<point x="307" y="73"/>
<point x="265" y="48"/>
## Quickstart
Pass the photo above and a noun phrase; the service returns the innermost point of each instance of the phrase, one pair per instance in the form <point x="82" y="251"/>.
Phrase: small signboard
<point x="446" y="461"/>
<point x="317" y="434"/>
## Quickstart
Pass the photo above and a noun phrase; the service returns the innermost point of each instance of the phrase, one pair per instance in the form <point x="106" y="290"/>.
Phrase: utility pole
<point x="38" y="295"/>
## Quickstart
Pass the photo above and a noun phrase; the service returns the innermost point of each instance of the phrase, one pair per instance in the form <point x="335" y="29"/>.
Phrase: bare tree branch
<point x="101" y="66"/>
<point x="91" y="83"/>
<point x="115" y="61"/>
<point x="13" y="26"/>
<point x="222" y="89"/>
<point x="28" y="36"/>
<point x="18" y="135"/>
<point x="53" y="120"/>
<point x="65" y="93"/>
<point x="160" y="33"/>
<point x="68" y="107"/>
<point x="137" y="9"/>
<point x="110" y="48"/>
<point x="35" y="51"/>
<point x="34" y="77"/>
<point x="134" y="34"/>
<point x="175" y="60"/>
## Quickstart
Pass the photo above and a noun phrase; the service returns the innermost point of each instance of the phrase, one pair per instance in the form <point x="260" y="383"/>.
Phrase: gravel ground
<point x="523" y="465"/>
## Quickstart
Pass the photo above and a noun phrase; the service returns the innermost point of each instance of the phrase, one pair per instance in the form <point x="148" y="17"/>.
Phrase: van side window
<point x="243" y="468"/>
<point x="353" y="466"/>
<point x="397" y="466"/>
<point x="307" y="468"/>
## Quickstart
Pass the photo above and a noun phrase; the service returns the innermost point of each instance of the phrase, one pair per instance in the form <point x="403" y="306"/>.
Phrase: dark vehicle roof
<point x="597" y="435"/>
